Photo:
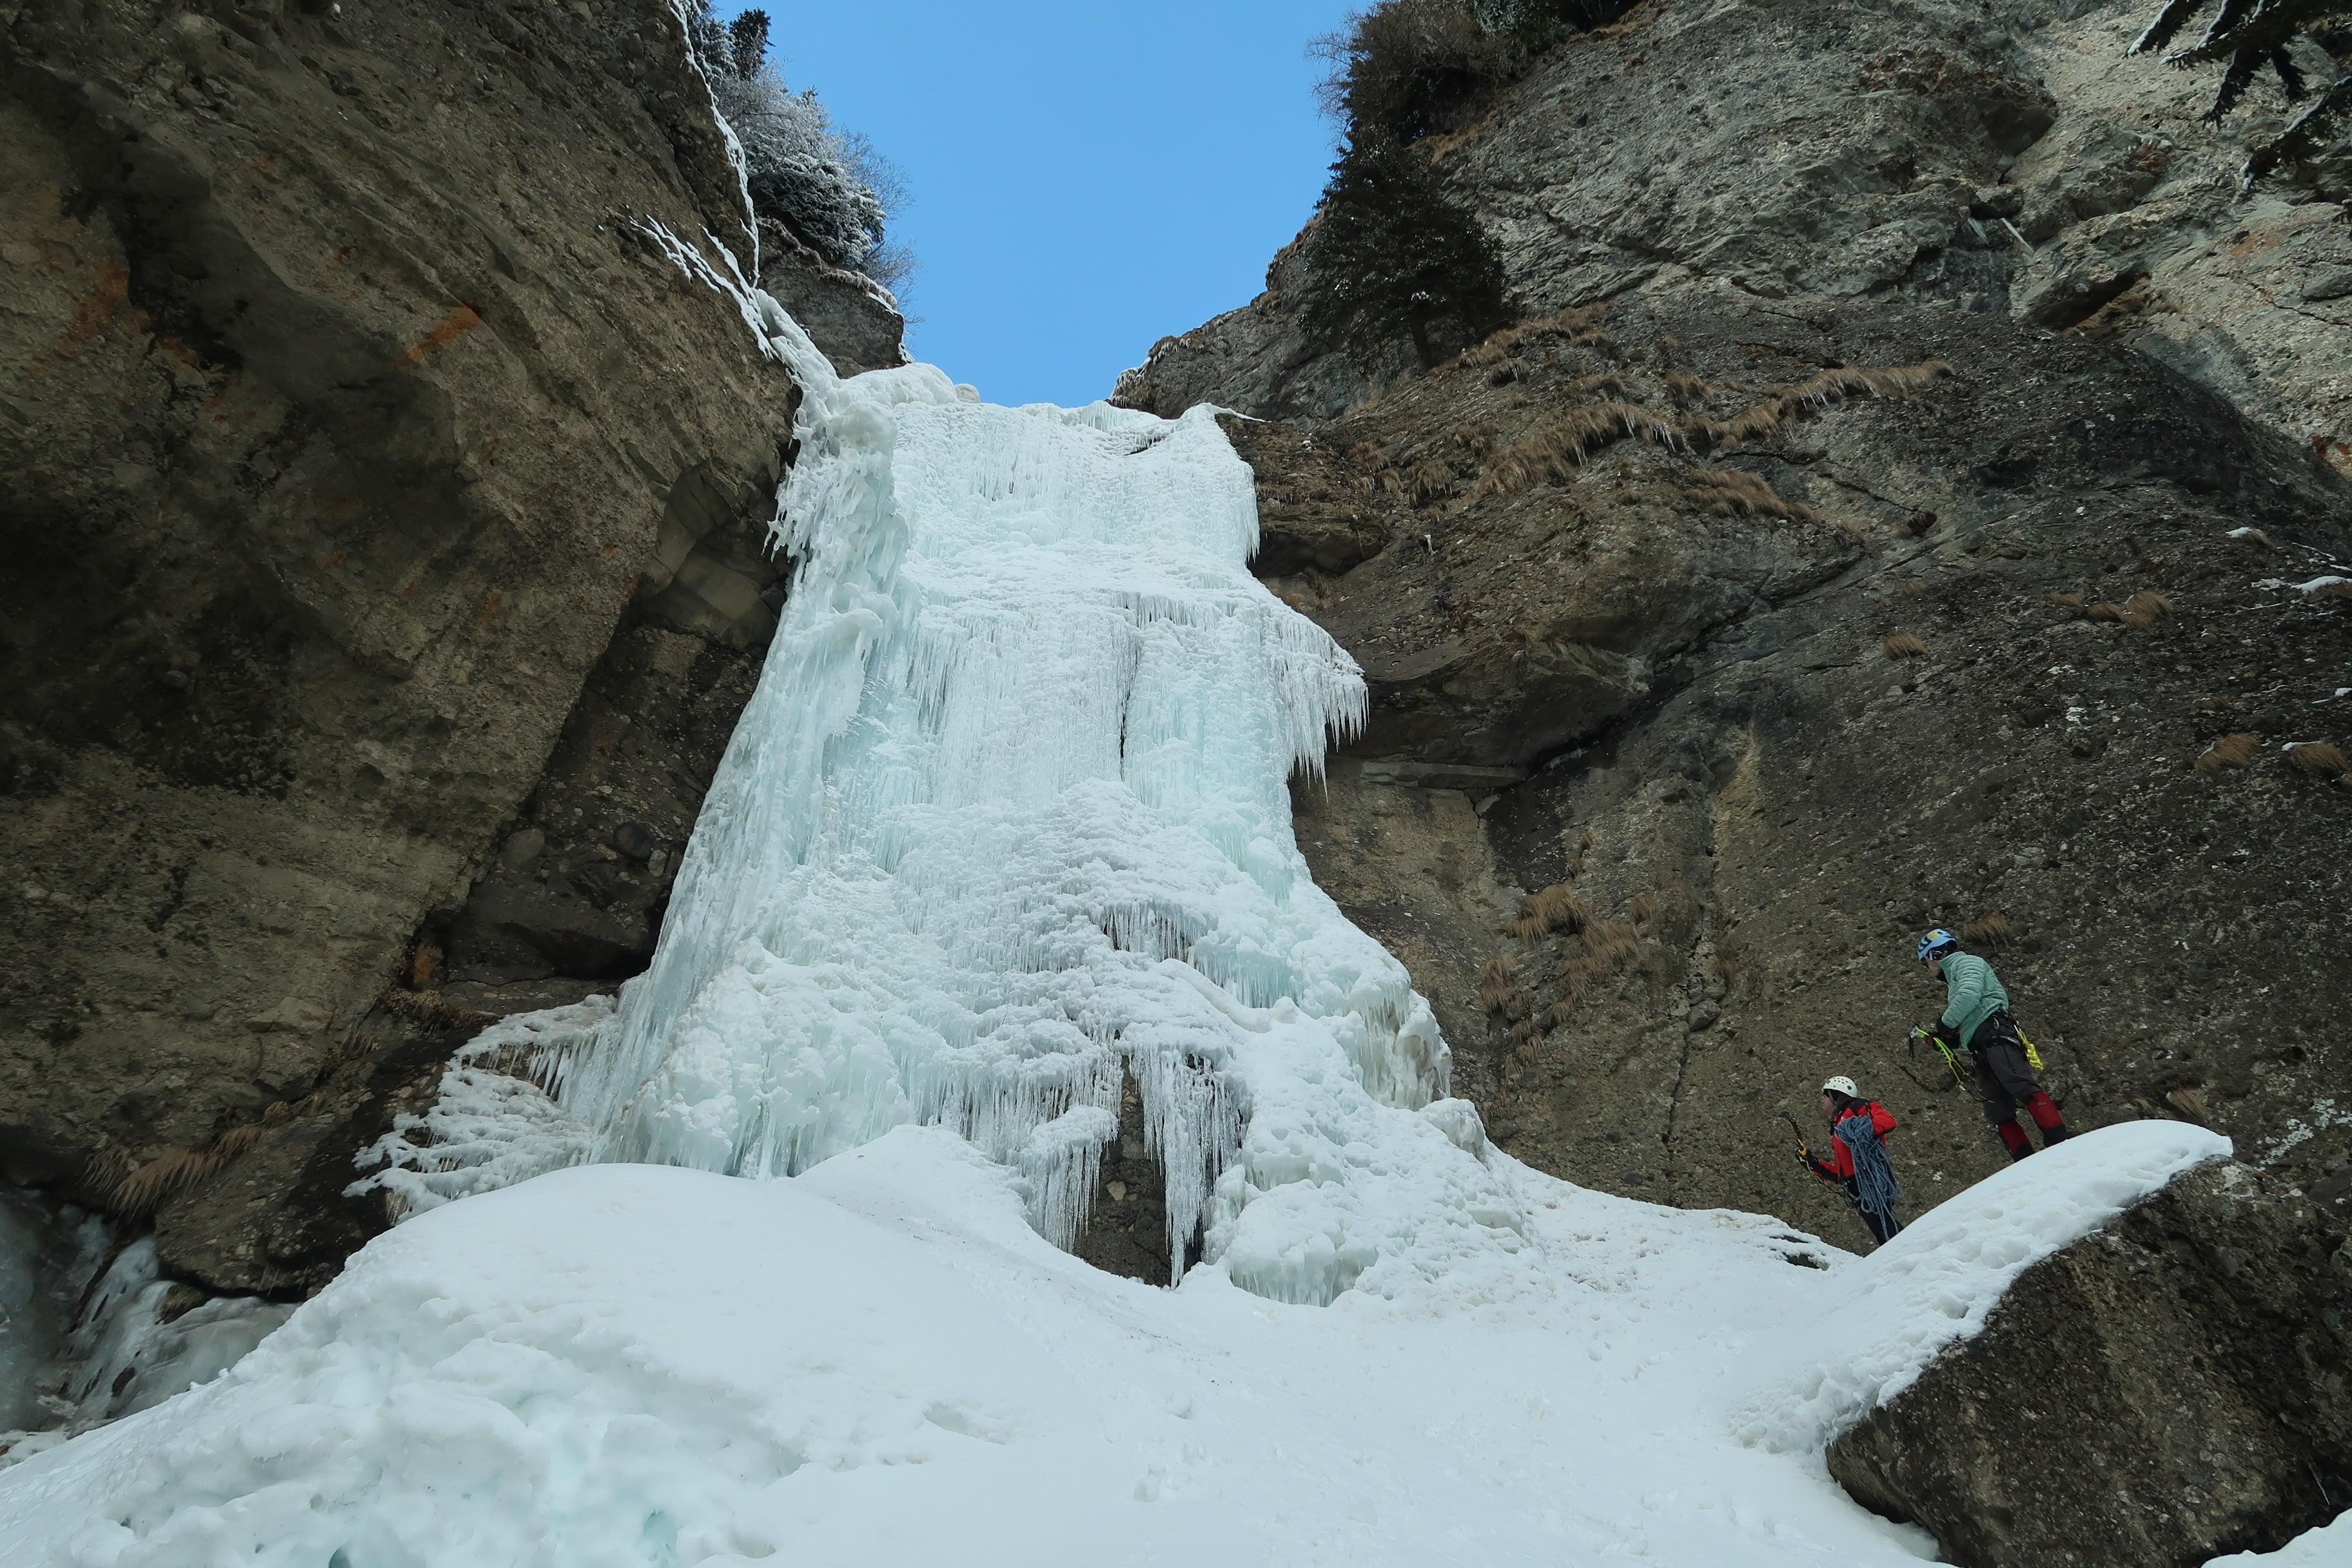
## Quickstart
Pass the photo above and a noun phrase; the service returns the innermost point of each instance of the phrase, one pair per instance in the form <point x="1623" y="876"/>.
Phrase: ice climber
<point x="1857" y="1161"/>
<point x="1977" y="1019"/>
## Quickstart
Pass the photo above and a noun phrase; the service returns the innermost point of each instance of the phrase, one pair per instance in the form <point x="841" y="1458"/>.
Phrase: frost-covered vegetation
<point x="825" y="188"/>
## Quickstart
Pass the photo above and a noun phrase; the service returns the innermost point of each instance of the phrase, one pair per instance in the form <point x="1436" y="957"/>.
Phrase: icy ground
<point x="1006" y="825"/>
<point x="882" y="1363"/>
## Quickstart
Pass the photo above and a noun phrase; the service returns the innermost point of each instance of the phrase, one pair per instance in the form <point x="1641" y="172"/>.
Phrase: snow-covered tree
<point x="803" y="173"/>
<point x="1391" y="255"/>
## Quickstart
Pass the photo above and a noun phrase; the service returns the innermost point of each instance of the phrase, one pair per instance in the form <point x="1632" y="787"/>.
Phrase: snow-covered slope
<point x="881" y="1362"/>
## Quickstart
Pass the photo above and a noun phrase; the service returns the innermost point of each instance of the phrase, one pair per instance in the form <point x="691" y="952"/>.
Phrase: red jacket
<point x="1840" y="1164"/>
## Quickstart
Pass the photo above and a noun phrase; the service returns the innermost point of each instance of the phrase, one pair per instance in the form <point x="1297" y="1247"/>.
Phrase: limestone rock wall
<point x="358" y="455"/>
<point x="2008" y="158"/>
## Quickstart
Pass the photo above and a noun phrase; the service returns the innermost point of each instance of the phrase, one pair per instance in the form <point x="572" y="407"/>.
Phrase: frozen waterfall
<point x="1007" y="822"/>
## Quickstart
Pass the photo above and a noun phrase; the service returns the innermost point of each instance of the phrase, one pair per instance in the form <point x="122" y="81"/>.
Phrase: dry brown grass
<point x="1551" y="909"/>
<point x="1731" y="492"/>
<point x="429" y="1009"/>
<point x="1428" y="478"/>
<point x="1557" y="450"/>
<point x="2318" y="757"/>
<point x="1496" y="981"/>
<point x="165" y="1177"/>
<point x="1575" y="327"/>
<point x="1988" y="931"/>
<point x="1686" y="388"/>
<point x="2256" y="537"/>
<point x="2230" y="751"/>
<point x="2144" y="608"/>
<point x="1915" y="587"/>
<point x="2189" y="1104"/>
<point x="1902" y="645"/>
<point x="1814" y="395"/>
<point x="2139" y="612"/>
<point x="2334" y="591"/>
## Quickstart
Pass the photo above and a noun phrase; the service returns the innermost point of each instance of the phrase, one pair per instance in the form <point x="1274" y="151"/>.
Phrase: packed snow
<point x="2329" y="1546"/>
<point x="1005" y="825"/>
<point x="881" y="1361"/>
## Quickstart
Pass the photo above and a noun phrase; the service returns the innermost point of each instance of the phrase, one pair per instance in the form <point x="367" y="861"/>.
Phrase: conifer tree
<point x="2249" y="35"/>
<point x="1391" y="255"/>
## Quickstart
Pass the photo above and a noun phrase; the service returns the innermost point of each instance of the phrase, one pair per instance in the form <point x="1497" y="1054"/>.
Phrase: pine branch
<point x="2275" y="26"/>
<point x="2168" y="21"/>
<point x="2234" y="82"/>
<point x="2290" y="78"/>
<point x="2226" y="21"/>
<point x="2307" y="136"/>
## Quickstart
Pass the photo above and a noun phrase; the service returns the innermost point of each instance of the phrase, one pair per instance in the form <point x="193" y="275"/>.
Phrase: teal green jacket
<point x="1972" y="993"/>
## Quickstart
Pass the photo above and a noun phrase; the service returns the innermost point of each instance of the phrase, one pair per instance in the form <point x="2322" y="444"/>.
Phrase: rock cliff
<point x="384" y="511"/>
<point x="1897" y="488"/>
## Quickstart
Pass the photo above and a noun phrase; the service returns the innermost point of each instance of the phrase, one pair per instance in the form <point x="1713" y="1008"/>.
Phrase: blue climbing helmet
<point x="1936" y="941"/>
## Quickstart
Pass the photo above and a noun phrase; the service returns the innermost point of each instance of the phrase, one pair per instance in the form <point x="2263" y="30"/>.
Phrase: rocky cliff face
<point x="1896" y="488"/>
<point x="384" y="508"/>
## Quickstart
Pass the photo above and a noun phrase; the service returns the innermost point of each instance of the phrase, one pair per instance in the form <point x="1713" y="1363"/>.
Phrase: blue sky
<point x="1087" y="178"/>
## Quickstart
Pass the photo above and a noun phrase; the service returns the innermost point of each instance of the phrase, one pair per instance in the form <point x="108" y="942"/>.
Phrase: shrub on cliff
<point x="1390" y="255"/>
<point x="2250" y="37"/>
<point x="825" y="187"/>
<point x="1403" y="69"/>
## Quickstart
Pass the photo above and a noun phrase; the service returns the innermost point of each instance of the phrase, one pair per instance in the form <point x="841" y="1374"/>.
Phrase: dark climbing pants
<point x="1883" y="1226"/>
<point x="2006" y="1081"/>
<point x="2003" y="1076"/>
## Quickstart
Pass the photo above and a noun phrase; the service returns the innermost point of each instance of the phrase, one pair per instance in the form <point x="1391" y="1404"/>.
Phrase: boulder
<point x="2175" y="1387"/>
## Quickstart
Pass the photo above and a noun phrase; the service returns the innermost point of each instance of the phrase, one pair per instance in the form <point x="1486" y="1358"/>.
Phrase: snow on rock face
<point x="2329" y="1546"/>
<point x="1007" y="821"/>
<point x="1935" y="1282"/>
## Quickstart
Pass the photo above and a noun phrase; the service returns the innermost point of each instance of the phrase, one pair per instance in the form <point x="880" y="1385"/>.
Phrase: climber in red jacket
<point x="1857" y="1161"/>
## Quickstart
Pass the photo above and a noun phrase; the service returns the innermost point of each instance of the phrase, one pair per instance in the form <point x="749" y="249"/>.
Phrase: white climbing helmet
<point x="1842" y="1085"/>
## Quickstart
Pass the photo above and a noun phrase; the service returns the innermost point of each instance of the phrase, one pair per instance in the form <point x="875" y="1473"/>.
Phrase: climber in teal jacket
<point x="1977" y="1019"/>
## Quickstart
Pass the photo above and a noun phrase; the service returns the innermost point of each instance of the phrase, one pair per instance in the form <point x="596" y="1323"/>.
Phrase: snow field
<point x="881" y="1362"/>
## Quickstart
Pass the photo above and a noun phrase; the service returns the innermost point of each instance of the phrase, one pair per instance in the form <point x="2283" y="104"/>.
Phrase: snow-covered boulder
<point x="2175" y="1385"/>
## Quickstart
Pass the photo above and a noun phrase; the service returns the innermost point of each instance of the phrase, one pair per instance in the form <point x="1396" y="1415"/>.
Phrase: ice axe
<point x="1804" y="1149"/>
